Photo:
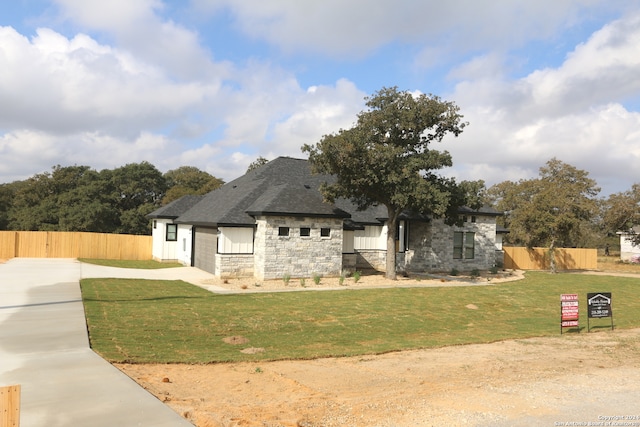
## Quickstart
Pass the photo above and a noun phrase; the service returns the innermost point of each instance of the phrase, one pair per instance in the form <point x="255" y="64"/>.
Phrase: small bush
<point x="303" y="283"/>
<point x="475" y="273"/>
<point x="454" y="272"/>
<point x="356" y="276"/>
<point x="341" y="280"/>
<point x="316" y="278"/>
<point x="494" y="269"/>
<point x="286" y="278"/>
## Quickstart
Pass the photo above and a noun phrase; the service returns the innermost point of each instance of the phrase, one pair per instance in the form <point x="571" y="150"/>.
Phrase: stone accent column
<point x="297" y="255"/>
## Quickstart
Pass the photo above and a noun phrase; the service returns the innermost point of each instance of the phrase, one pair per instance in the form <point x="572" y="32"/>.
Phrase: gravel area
<point x="573" y="379"/>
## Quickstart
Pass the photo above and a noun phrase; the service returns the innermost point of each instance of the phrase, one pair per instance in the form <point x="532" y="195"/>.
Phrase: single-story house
<point x="273" y="222"/>
<point x="629" y="251"/>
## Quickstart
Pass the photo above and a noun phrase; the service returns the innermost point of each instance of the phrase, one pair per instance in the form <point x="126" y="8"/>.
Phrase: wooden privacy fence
<point x="10" y="406"/>
<point x="63" y="244"/>
<point x="538" y="258"/>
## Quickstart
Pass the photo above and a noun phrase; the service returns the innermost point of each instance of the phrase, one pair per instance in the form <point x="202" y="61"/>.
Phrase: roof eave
<point x="300" y="214"/>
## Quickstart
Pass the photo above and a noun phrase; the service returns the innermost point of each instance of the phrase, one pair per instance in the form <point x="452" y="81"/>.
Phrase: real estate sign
<point x="599" y="305"/>
<point x="569" y="313"/>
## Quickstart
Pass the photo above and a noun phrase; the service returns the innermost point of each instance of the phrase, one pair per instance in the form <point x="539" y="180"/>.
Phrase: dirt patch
<point x="252" y="350"/>
<point x="235" y="340"/>
<point x="576" y="377"/>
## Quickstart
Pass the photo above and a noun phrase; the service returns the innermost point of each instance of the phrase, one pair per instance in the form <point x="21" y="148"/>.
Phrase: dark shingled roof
<point x="485" y="210"/>
<point x="284" y="186"/>
<point x="176" y="208"/>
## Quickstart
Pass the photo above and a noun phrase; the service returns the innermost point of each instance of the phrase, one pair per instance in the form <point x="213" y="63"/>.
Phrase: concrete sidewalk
<point x="44" y="348"/>
<point x="191" y="275"/>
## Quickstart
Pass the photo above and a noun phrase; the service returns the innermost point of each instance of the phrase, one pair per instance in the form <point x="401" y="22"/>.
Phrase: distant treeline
<point x="79" y="198"/>
<point x="559" y="208"/>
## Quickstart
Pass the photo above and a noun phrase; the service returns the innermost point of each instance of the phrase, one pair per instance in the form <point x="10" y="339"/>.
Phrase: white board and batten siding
<point x="235" y="240"/>
<point x="162" y="250"/>
<point x="373" y="237"/>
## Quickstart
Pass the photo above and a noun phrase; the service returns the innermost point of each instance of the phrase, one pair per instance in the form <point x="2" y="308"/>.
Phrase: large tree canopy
<point x="622" y="212"/>
<point x="78" y="198"/>
<point x="188" y="180"/>
<point x="71" y="198"/>
<point x="385" y="159"/>
<point x="550" y="211"/>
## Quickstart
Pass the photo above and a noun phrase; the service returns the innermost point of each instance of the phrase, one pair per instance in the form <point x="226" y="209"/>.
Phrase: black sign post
<point x="598" y="306"/>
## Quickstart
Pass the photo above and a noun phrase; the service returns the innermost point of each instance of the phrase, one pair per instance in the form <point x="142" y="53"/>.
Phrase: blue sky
<point x="217" y="83"/>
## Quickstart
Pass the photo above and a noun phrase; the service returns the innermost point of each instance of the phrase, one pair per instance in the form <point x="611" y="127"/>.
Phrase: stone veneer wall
<point x="349" y="262"/>
<point x="431" y="246"/>
<point x="234" y="265"/>
<point x="276" y="256"/>
<point x="371" y="259"/>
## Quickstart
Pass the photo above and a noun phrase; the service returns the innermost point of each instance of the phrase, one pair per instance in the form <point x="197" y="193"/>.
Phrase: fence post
<point x="10" y="406"/>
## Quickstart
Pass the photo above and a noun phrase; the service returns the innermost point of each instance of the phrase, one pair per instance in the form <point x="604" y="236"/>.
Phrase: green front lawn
<point x="175" y="322"/>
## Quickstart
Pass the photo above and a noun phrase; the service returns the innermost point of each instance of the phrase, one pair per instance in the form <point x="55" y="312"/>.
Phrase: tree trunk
<point x="392" y="225"/>
<point x="552" y="256"/>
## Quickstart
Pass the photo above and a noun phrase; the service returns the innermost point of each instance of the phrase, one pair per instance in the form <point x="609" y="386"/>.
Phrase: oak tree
<point x="550" y="211"/>
<point x="622" y="212"/>
<point x="187" y="180"/>
<point x="386" y="159"/>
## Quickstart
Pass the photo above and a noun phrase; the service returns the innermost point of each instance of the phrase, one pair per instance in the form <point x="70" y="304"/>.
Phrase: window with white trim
<point x="283" y="231"/>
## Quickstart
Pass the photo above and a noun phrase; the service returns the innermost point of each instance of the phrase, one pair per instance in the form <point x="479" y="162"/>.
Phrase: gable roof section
<point x="375" y="215"/>
<point x="294" y="200"/>
<point x="284" y="186"/>
<point x="176" y="208"/>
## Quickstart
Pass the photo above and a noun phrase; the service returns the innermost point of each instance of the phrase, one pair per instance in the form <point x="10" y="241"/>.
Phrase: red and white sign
<point x="569" y="323"/>
<point x="569" y="311"/>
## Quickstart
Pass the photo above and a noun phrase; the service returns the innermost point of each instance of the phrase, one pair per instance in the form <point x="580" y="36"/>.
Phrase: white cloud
<point x="103" y="106"/>
<point x="19" y="145"/>
<point x="62" y="85"/>
<point x="279" y="122"/>
<point x="358" y="27"/>
<point x="134" y="85"/>
<point x="573" y="112"/>
<point x="602" y="69"/>
<point x="99" y="151"/>
<point x="138" y="28"/>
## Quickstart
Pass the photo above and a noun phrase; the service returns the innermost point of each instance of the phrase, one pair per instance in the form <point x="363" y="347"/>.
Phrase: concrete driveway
<point x="44" y="348"/>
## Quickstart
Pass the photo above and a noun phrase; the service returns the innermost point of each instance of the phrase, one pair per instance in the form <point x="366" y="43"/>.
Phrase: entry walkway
<point x="44" y="347"/>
